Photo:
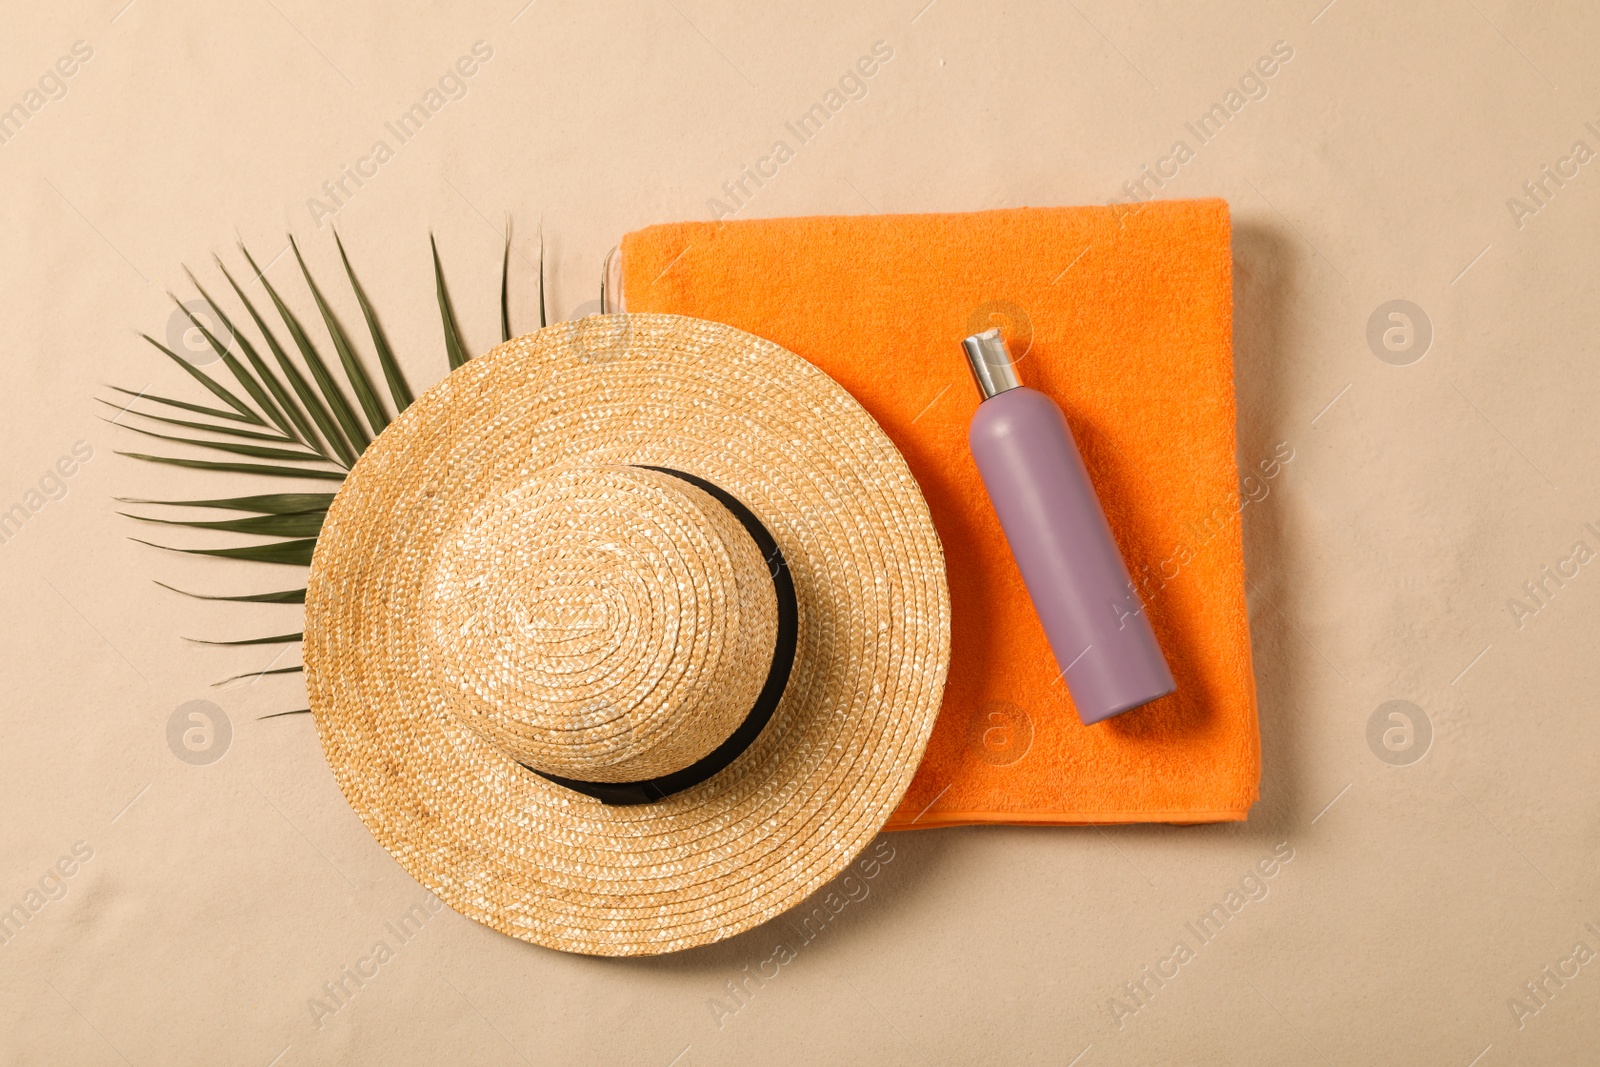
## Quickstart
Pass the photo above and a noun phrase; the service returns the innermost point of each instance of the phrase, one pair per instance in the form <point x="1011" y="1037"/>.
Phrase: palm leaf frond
<point x="354" y="373"/>
<point x="398" y="389"/>
<point x="295" y="415"/>
<point x="281" y="396"/>
<point x="295" y="524"/>
<point x="254" y="451"/>
<point x="505" y="287"/>
<point x="231" y="431"/>
<point x="287" y="596"/>
<point x="266" y="504"/>
<point x="278" y="639"/>
<point x="218" y="390"/>
<point x="257" y="391"/>
<point x="239" y="468"/>
<point x="296" y="553"/>
<point x="184" y="405"/>
<point x="342" y="411"/>
<point x="311" y="409"/>
<point x="263" y="674"/>
<point x="454" y="350"/>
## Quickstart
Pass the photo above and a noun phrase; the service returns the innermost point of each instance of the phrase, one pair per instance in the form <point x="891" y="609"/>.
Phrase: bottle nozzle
<point x="990" y="362"/>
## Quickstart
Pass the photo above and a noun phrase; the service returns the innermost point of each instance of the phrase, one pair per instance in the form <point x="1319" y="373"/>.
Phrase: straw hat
<point x="628" y="635"/>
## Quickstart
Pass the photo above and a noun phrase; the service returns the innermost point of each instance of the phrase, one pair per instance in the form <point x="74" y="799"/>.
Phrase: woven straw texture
<point x="498" y="583"/>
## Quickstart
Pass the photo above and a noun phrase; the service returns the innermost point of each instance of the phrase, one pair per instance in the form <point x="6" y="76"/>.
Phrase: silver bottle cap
<point x="990" y="362"/>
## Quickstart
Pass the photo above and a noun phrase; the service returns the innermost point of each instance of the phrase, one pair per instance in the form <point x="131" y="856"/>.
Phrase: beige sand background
<point x="210" y="903"/>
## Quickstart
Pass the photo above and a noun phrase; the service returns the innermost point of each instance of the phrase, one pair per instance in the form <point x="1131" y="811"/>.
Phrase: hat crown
<point x="602" y="623"/>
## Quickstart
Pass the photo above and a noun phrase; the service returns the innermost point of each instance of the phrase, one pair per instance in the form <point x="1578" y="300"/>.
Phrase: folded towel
<point x="1124" y="315"/>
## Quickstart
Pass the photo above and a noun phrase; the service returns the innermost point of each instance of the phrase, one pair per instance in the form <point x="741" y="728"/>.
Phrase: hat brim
<point x="537" y="861"/>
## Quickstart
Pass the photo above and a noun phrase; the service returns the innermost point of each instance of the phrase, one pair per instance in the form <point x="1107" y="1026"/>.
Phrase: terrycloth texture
<point x="1130" y="314"/>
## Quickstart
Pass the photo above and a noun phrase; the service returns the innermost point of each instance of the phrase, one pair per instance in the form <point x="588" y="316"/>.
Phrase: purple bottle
<point x="1058" y="534"/>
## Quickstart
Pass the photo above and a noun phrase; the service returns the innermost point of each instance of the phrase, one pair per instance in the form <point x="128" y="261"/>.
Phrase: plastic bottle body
<point x="1076" y="577"/>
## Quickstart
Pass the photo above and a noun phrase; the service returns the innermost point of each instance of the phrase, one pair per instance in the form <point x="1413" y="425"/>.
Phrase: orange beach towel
<point x="1125" y="318"/>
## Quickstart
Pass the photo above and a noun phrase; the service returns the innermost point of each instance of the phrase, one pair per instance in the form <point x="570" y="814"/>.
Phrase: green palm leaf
<point x="398" y="389"/>
<point x="219" y="391"/>
<point x="184" y="405"/>
<point x="268" y="504"/>
<point x="297" y="553"/>
<point x="312" y="407"/>
<point x="354" y="373"/>
<point x="296" y="524"/>
<point x="279" y="639"/>
<point x="298" y="416"/>
<point x="239" y="468"/>
<point x="288" y="596"/>
<point x="454" y="350"/>
<point x="263" y="674"/>
<point x="255" y="451"/>
<point x="505" y="287"/>
<point x="342" y="411"/>
<point x="242" y="376"/>
<point x="284" y="400"/>
<point x="232" y="431"/>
